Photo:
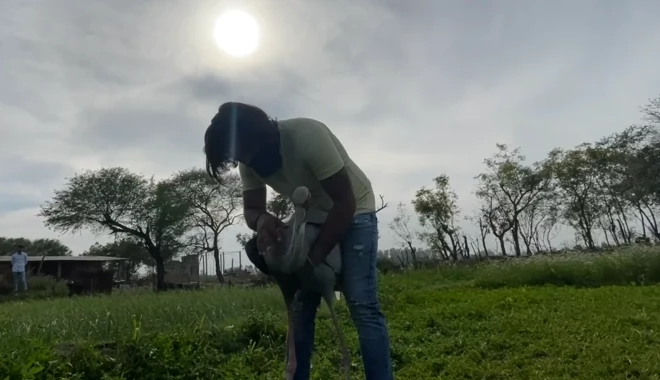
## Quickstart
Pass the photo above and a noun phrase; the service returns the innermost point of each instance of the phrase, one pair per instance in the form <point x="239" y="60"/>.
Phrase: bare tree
<point x="400" y="227"/>
<point x="383" y="204"/>
<point x="215" y="206"/>
<point x="651" y="111"/>
<point x="484" y="230"/>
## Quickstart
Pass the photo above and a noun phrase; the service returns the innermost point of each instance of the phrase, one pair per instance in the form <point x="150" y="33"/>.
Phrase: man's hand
<point x="269" y="232"/>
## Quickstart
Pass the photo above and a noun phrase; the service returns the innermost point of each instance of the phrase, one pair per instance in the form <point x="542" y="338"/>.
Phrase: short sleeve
<point x="250" y="179"/>
<point x="321" y="154"/>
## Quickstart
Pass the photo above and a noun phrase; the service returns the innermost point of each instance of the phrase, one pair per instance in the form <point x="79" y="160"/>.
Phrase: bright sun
<point x="237" y="33"/>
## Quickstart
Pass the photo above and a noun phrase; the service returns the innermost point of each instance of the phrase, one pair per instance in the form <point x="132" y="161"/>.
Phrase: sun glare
<point x="237" y="33"/>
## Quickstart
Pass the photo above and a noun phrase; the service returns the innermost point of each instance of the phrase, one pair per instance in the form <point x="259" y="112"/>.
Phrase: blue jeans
<point x="19" y="280"/>
<point x="360" y="284"/>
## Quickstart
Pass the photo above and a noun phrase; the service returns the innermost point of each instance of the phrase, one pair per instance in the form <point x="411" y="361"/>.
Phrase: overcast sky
<point x="413" y="88"/>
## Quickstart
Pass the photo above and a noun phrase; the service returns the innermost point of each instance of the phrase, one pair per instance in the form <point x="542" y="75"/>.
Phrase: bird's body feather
<point x="290" y="256"/>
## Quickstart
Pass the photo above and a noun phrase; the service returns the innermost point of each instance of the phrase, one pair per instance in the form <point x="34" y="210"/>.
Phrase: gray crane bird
<point x="284" y="260"/>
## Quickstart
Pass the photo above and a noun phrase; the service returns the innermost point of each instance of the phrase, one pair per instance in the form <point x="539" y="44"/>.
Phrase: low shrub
<point x="638" y="266"/>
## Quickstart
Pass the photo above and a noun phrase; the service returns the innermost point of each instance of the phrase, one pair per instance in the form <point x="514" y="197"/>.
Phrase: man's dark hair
<point x="226" y="128"/>
<point x="20" y="246"/>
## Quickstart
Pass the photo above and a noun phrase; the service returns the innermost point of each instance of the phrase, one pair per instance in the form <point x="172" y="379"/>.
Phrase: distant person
<point x="19" y="262"/>
<point x="286" y="154"/>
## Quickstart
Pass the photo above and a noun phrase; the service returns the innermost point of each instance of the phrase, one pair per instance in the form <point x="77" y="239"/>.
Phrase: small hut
<point x="85" y="274"/>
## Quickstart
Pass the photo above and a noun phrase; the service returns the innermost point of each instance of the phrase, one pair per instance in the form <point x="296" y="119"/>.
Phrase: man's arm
<point x="323" y="158"/>
<point x="254" y="196"/>
<point x="254" y="205"/>
<point x="338" y="186"/>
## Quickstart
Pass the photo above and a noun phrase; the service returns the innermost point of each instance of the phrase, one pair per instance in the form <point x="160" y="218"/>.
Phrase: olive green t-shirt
<point x="311" y="153"/>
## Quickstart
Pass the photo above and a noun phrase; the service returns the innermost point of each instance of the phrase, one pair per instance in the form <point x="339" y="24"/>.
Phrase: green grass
<point x="632" y="266"/>
<point x="454" y="323"/>
<point x="39" y="287"/>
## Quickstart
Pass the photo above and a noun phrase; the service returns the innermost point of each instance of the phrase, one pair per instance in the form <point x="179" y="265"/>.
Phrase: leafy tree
<point x="507" y="189"/>
<point x="243" y="238"/>
<point x="215" y="206"/>
<point x="128" y="248"/>
<point x="577" y="180"/>
<point x="37" y="247"/>
<point x="280" y="206"/>
<point x="437" y="210"/>
<point x="123" y="203"/>
<point x="640" y="184"/>
<point x="612" y="157"/>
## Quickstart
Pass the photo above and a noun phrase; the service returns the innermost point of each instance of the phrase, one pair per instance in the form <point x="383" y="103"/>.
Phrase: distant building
<point x="59" y="266"/>
<point x="182" y="271"/>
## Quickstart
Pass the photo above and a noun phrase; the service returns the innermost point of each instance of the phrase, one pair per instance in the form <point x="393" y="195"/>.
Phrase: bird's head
<point x="300" y="199"/>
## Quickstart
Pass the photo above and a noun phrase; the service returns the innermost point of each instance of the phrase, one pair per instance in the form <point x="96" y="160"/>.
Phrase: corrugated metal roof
<point x="34" y="258"/>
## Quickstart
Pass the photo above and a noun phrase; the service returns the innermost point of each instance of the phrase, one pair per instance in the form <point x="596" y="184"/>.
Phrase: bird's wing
<point x="288" y="284"/>
<point x="255" y="258"/>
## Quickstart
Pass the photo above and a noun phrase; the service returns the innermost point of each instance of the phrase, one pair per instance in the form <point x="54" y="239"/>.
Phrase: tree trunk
<point x="516" y="238"/>
<point x="502" y="246"/>
<point x="641" y="217"/>
<point x="218" y="271"/>
<point x="528" y="242"/>
<point x="607" y="240"/>
<point x="649" y="220"/>
<point x="446" y="250"/>
<point x="585" y="226"/>
<point x="454" y="250"/>
<point x="612" y="227"/>
<point x="625" y="227"/>
<point x="467" y="247"/>
<point x="548" y="240"/>
<point x="624" y="232"/>
<point x="160" y="270"/>
<point x="413" y="254"/>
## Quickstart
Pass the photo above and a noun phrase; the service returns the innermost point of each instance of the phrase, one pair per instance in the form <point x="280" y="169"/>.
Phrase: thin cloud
<point x="412" y="90"/>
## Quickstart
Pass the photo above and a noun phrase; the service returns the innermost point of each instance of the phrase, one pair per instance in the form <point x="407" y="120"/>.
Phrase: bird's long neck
<point x="299" y="213"/>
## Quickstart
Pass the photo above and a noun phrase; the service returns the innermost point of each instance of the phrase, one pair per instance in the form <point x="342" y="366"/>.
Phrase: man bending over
<point x="284" y="155"/>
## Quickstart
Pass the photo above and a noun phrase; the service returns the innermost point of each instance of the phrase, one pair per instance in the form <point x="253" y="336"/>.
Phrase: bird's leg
<point x="291" y="362"/>
<point x="345" y="356"/>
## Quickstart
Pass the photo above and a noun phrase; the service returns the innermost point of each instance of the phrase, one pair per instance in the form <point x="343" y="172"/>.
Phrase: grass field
<point x="496" y="321"/>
